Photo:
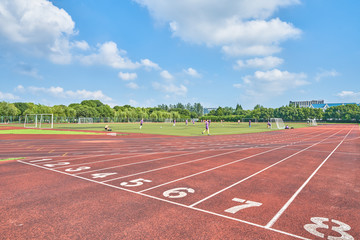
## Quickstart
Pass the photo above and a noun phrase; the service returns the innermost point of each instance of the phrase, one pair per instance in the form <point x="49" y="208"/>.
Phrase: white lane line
<point x="107" y="160"/>
<point x="42" y="160"/>
<point x="179" y="179"/>
<point x="167" y="201"/>
<point x="211" y="169"/>
<point x="146" y="161"/>
<point x="244" y="179"/>
<point x="287" y="204"/>
<point x="178" y="164"/>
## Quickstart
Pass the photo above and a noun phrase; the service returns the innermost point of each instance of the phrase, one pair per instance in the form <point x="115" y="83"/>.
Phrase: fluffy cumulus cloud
<point x="192" y="72"/>
<point x="127" y="76"/>
<point x="59" y="92"/>
<point x="149" y="64"/>
<point x="266" y="84"/>
<point x="37" y="26"/>
<point x="132" y="85"/>
<point x="109" y="54"/>
<point x="166" y="75"/>
<point x="259" y="63"/>
<point x="239" y="27"/>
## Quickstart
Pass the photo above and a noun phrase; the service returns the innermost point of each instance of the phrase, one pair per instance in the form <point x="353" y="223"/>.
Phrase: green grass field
<point x="9" y="159"/>
<point x="43" y="131"/>
<point x="179" y="130"/>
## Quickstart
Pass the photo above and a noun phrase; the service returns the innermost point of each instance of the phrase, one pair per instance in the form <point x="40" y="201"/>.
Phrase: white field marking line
<point x="210" y="169"/>
<point x="244" y="179"/>
<point x="146" y="161"/>
<point x="107" y="160"/>
<point x="167" y="201"/>
<point x="42" y="160"/>
<point x="76" y="158"/>
<point x="178" y="164"/>
<point x="287" y="204"/>
<point x="82" y="157"/>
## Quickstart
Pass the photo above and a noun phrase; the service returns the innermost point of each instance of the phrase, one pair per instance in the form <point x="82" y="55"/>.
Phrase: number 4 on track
<point x="246" y="204"/>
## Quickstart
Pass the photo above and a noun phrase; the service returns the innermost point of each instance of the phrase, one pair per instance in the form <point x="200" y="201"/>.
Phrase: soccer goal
<point x="253" y="120"/>
<point x="312" y="122"/>
<point x="39" y="121"/>
<point x="278" y="122"/>
<point x="85" y="120"/>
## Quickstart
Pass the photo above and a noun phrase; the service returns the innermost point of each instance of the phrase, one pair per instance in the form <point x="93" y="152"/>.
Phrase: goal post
<point x="312" y="122"/>
<point x="85" y="120"/>
<point x="253" y="120"/>
<point x="278" y="122"/>
<point x="39" y="121"/>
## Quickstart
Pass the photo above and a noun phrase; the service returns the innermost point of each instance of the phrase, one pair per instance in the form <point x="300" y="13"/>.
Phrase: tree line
<point x="97" y="109"/>
<point x="343" y="113"/>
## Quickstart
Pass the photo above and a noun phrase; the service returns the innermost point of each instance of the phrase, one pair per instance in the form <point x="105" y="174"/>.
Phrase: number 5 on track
<point x="246" y="204"/>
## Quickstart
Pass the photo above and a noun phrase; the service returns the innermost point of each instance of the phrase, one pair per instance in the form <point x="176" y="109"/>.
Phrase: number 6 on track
<point x="178" y="192"/>
<point x="246" y="204"/>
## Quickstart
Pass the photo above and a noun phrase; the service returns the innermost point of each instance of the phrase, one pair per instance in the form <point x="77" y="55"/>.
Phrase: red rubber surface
<point x="295" y="177"/>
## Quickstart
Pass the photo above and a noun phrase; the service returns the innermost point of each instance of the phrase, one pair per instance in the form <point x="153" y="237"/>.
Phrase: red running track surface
<point x="288" y="184"/>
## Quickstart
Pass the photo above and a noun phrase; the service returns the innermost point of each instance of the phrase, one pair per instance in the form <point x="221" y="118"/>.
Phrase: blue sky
<point x="150" y="52"/>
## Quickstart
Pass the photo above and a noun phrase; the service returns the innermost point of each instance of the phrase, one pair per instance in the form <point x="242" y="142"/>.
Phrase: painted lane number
<point x="246" y="204"/>
<point x="77" y="169"/>
<point x="56" y="164"/>
<point x="135" y="182"/>
<point x="318" y="223"/>
<point x="178" y="192"/>
<point x="102" y="175"/>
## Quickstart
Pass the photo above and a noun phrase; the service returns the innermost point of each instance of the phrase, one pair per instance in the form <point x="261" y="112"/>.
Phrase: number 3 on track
<point x="318" y="222"/>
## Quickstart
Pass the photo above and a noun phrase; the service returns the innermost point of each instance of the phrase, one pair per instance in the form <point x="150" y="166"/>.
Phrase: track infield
<point x="290" y="184"/>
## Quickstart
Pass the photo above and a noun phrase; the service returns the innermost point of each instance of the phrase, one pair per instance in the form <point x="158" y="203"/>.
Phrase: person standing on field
<point x="206" y="128"/>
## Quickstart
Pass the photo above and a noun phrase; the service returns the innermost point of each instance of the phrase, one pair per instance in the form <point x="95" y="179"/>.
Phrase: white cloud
<point x="261" y="63"/>
<point x="239" y="27"/>
<point x="127" y="76"/>
<point x="325" y="74"/>
<point x="349" y="95"/>
<point x="192" y="72"/>
<point x="170" y="88"/>
<point x="149" y="64"/>
<point x="109" y="54"/>
<point x="264" y="85"/>
<point x="83" y="45"/>
<point x="8" y="96"/>
<point x="59" y="92"/>
<point x="132" y="85"/>
<point x="38" y="27"/>
<point x="166" y="75"/>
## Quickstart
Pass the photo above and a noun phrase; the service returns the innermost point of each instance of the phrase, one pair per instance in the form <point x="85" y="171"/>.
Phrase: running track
<point x="289" y="184"/>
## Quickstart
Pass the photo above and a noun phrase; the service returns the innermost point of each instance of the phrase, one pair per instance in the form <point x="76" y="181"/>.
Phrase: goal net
<point x="253" y="120"/>
<point x="85" y="120"/>
<point x="278" y="122"/>
<point x="39" y="121"/>
<point x="312" y="122"/>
